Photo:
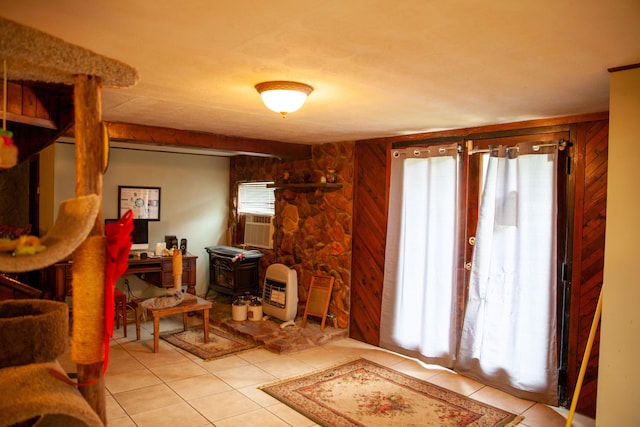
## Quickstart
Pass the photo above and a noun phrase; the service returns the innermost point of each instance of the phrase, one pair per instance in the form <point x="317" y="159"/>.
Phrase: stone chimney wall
<point x="313" y="226"/>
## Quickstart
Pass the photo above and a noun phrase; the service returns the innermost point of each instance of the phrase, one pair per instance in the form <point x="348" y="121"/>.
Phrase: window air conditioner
<point x="258" y="231"/>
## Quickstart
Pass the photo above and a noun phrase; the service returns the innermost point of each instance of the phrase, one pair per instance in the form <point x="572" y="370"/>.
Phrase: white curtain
<point x="509" y="333"/>
<point x="419" y="295"/>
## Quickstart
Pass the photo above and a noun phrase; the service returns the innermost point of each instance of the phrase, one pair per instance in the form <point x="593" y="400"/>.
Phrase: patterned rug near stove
<point x="363" y="393"/>
<point x="220" y="343"/>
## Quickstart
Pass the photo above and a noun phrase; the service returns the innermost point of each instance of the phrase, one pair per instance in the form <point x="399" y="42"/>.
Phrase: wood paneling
<point x="369" y="236"/>
<point x="588" y="256"/>
<point x="37" y="114"/>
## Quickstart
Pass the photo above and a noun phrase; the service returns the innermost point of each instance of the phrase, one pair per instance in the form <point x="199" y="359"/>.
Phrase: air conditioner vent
<point x="258" y="231"/>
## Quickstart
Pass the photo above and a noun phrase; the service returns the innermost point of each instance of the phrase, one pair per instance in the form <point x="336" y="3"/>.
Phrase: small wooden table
<point x="190" y="304"/>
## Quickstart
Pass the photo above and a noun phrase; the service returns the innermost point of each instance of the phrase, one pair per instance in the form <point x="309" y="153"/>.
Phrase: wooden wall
<point x="369" y="235"/>
<point x="37" y="113"/>
<point x="588" y="255"/>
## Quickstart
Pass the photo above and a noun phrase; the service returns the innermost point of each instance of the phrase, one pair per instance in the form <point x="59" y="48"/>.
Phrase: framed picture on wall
<point x="143" y="201"/>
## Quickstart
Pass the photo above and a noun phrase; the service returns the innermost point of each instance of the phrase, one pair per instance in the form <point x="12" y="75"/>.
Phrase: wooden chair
<point x="318" y="298"/>
<point x="121" y="309"/>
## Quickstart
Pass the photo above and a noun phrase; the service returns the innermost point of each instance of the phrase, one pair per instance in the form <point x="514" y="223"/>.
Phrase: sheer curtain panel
<point x="509" y="332"/>
<point x="418" y="313"/>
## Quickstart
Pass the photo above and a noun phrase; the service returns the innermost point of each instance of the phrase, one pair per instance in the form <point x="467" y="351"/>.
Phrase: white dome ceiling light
<point x="283" y="97"/>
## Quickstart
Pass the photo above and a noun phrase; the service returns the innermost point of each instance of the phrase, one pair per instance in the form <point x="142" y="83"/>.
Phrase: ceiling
<point x="378" y="67"/>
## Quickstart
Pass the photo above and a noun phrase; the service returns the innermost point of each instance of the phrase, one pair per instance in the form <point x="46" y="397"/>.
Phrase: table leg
<point x="138" y="314"/>
<point x="156" y="333"/>
<point x="185" y="321"/>
<point x="205" y="319"/>
<point x="124" y="317"/>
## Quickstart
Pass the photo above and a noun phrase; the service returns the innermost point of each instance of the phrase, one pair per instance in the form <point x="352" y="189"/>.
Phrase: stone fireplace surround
<point x="312" y="228"/>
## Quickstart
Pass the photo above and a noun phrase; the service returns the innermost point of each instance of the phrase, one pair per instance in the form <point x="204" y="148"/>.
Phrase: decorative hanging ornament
<point x="8" y="150"/>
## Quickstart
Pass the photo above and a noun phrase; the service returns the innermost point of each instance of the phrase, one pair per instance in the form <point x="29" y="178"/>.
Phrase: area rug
<point x="220" y="343"/>
<point x="363" y="393"/>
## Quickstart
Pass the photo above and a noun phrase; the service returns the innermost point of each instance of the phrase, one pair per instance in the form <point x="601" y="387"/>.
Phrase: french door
<point x="431" y="242"/>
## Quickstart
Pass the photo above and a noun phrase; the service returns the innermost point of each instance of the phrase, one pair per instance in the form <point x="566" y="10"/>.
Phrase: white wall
<point x="619" y="370"/>
<point x="194" y="196"/>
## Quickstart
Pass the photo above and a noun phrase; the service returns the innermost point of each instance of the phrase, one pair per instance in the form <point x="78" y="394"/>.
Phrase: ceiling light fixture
<point x="283" y="97"/>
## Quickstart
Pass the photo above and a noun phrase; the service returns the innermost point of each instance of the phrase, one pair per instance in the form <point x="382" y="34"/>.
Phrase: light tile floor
<point x="175" y="388"/>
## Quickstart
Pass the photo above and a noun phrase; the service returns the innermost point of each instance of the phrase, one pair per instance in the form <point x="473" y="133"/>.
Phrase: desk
<point x="190" y="303"/>
<point x="157" y="271"/>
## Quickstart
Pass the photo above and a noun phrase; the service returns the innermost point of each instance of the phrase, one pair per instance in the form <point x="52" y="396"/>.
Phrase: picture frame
<point x="143" y="201"/>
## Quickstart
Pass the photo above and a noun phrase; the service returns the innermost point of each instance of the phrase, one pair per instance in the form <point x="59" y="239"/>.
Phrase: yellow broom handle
<point x="585" y="359"/>
<point x="6" y="95"/>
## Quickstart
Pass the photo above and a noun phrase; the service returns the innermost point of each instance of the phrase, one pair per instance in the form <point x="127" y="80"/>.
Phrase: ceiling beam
<point x="160" y="136"/>
<point x="500" y="127"/>
<point x="39" y="113"/>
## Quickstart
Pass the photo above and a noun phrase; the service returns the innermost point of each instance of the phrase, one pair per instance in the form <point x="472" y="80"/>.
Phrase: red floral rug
<point x="363" y="393"/>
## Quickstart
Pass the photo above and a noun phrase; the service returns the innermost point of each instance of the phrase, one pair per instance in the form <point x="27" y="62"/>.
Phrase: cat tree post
<point x="88" y="271"/>
<point x="33" y="55"/>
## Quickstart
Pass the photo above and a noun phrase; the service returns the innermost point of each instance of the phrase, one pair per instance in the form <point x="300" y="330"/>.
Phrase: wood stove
<point x="233" y="271"/>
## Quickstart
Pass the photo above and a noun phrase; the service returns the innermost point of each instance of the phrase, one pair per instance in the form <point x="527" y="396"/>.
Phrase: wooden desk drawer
<point x="167" y="265"/>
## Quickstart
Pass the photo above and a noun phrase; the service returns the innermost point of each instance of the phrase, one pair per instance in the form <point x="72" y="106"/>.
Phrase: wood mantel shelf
<point x="323" y="186"/>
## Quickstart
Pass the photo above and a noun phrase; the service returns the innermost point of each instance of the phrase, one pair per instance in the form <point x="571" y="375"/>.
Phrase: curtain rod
<point x="439" y="140"/>
<point x="561" y="144"/>
<point x="441" y="150"/>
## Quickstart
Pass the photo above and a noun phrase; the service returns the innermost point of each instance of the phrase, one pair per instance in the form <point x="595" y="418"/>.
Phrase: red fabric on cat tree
<point x="118" y="245"/>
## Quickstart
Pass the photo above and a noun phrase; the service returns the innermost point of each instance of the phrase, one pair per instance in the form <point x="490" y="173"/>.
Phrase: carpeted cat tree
<point x="33" y="332"/>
